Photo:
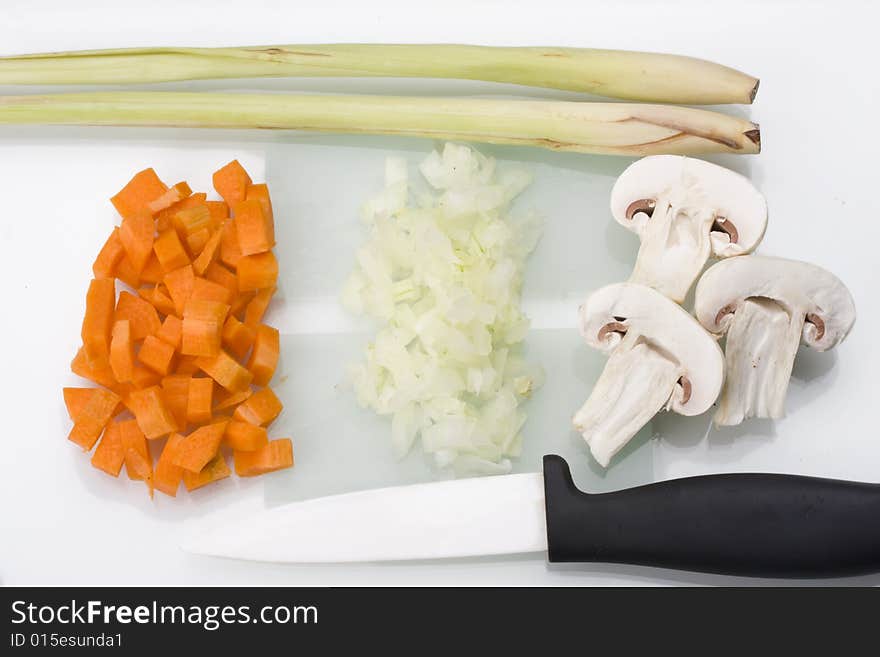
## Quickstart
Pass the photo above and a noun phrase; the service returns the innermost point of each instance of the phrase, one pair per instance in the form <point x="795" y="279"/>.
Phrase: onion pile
<point x="442" y="268"/>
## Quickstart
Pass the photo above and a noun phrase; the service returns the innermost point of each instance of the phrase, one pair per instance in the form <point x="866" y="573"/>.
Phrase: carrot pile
<point x="182" y="356"/>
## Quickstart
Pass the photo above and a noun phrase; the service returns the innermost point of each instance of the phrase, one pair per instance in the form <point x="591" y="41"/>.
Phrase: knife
<point x="770" y="525"/>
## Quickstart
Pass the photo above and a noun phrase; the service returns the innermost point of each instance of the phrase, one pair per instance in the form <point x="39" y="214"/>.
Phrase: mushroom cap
<point x="801" y="288"/>
<point x="667" y="327"/>
<point x="722" y="192"/>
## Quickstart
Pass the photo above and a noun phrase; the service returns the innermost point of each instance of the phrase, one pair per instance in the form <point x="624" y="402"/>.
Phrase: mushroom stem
<point x="609" y="128"/>
<point x="762" y="341"/>
<point x="635" y="385"/>
<point x="676" y="244"/>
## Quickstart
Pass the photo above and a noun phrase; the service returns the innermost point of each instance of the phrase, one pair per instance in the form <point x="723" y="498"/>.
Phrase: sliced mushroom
<point x="767" y="307"/>
<point x="683" y="210"/>
<point x="659" y="357"/>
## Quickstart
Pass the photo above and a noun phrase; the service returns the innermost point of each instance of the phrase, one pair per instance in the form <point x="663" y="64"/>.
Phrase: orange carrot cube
<point x="261" y="408"/>
<point x="256" y="234"/>
<point x="264" y="357"/>
<point x="175" y="392"/>
<point x="277" y="455"/>
<point x="231" y="182"/>
<point x="257" y="272"/>
<point x="226" y="371"/>
<point x="237" y="337"/>
<point x="93" y="417"/>
<point x="215" y="470"/>
<point x="143" y="317"/>
<point x="98" y="320"/>
<point x="198" y="407"/>
<point x="122" y="351"/>
<point x="168" y="475"/>
<point x="151" y="412"/>
<point x="179" y="284"/>
<point x="144" y="188"/>
<point x="169" y="251"/>
<point x="109" y="454"/>
<point x="200" y="446"/>
<point x="245" y="437"/>
<point x="156" y="354"/>
<point x="109" y="256"/>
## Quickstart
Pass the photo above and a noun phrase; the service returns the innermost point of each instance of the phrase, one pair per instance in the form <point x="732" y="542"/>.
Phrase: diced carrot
<point x="172" y="195"/>
<point x="264" y="357"/>
<point x="193" y="219"/>
<point x="151" y="412"/>
<point x="245" y="437"/>
<point x="170" y="251"/>
<point x="109" y="256"/>
<point x="229" y="400"/>
<point x="143" y="317"/>
<point x="202" y="324"/>
<point x="230" y="252"/>
<point x="186" y="365"/>
<point x="261" y="408"/>
<point x="156" y="354"/>
<point x="75" y="400"/>
<point x="109" y="454"/>
<point x="164" y="217"/>
<point x="136" y="233"/>
<point x="219" y="212"/>
<point x="144" y="188"/>
<point x="175" y="392"/>
<point x="99" y="371"/>
<point x="144" y="377"/>
<point x="170" y="331"/>
<point x="205" y="290"/>
<point x="180" y="285"/>
<point x="256" y="234"/>
<point x="198" y="405"/>
<point x="222" y="276"/>
<point x="257" y="307"/>
<point x="122" y="351"/>
<point x="215" y="470"/>
<point x="133" y="438"/>
<point x="152" y="271"/>
<point x="237" y="337"/>
<point x="200" y="446"/>
<point x="126" y="273"/>
<point x="93" y="417"/>
<point x="98" y="320"/>
<point x="277" y="455"/>
<point x="206" y="255"/>
<point x="231" y="182"/>
<point x="167" y="476"/>
<point x="256" y="272"/>
<point x="240" y="303"/>
<point x="158" y="298"/>
<point x="260" y="192"/>
<point x="197" y="242"/>
<point x="226" y="371"/>
<point x="139" y="467"/>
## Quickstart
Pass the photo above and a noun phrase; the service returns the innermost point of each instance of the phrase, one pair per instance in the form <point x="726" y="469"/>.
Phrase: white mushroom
<point x="683" y="210"/>
<point x="767" y="307"/>
<point x="660" y="357"/>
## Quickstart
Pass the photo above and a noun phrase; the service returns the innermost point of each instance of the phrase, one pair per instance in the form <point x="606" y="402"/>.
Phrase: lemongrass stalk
<point x="611" y="128"/>
<point x="636" y="76"/>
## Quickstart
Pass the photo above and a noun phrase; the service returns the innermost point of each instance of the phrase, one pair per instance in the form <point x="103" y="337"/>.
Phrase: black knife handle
<point x="769" y="525"/>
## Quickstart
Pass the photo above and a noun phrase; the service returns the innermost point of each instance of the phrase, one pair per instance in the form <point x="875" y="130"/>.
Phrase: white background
<point x="60" y="522"/>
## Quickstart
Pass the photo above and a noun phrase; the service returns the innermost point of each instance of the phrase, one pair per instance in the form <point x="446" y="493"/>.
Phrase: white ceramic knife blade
<point x="460" y="518"/>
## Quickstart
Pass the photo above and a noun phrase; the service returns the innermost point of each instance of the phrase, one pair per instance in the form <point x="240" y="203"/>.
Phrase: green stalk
<point x="636" y="76"/>
<point x="611" y="128"/>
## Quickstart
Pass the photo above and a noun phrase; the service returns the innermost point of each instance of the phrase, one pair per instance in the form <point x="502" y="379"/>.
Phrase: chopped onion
<point x="443" y="268"/>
